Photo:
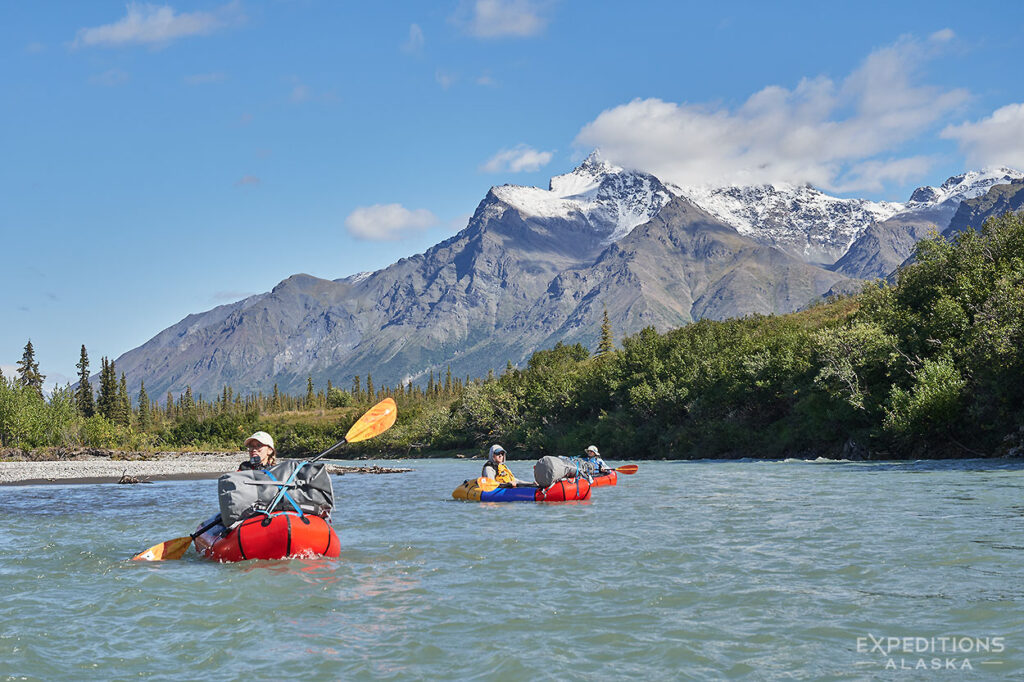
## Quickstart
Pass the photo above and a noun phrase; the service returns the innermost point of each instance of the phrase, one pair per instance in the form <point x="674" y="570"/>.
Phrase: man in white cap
<point x="261" y="452"/>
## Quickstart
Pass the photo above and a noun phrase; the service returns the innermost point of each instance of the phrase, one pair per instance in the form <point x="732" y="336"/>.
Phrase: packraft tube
<point x="488" y="490"/>
<point x="611" y="478"/>
<point x="280" y="535"/>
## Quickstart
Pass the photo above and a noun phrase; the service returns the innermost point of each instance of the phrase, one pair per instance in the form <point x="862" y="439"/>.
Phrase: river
<point x="686" y="570"/>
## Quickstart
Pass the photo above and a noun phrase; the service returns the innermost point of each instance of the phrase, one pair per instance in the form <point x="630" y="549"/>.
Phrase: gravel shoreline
<point x="166" y="466"/>
<point x="109" y="467"/>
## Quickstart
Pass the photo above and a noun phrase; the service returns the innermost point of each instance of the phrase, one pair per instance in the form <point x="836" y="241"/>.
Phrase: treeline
<point x="109" y="418"/>
<point x="931" y="366"/>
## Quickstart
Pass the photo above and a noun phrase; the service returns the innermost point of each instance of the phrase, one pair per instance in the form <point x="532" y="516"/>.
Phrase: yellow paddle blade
<point x="376" y="421"/>
<point x="165" y="551"/>
<point x="627" y="468"/>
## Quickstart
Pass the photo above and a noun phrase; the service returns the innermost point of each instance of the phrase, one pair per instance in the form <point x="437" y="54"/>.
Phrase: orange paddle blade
<point x="376" y="421"/>
<point x="627" y="468"/>
<point x="165" y="551"/>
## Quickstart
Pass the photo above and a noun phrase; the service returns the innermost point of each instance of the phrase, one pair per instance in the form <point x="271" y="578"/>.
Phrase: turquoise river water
<point x="686" y="570"/>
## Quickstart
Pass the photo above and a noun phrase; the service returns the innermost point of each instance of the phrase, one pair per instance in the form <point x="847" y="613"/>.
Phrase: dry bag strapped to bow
<point x="245" y="493"/>
<point x="549" y="470"/>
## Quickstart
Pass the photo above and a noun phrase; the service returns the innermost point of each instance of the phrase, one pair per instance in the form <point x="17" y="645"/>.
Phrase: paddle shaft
<point x="329" y="450"/>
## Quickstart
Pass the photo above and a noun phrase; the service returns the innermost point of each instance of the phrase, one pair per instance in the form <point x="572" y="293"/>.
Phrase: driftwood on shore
<point x="125" y="478"/>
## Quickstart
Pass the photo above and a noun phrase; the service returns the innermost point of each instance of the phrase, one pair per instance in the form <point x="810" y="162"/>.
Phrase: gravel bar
<point x="102" y="470"/>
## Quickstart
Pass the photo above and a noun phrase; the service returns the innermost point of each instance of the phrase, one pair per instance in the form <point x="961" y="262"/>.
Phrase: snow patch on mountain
<point x="610" y="199"/>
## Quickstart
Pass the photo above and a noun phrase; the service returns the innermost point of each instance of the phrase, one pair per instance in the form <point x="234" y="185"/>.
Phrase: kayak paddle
<point x="376" y="421"/>
<point x="627" y="469"/>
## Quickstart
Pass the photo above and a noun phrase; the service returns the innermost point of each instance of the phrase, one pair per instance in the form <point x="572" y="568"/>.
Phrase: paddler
<point x="495" y="468"/>
<point x="590" y="464"/>
<point x="261" y="452"/>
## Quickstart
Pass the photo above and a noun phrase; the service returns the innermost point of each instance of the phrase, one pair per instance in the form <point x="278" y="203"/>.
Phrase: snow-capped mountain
<point x="964" y="186"/>
<point x="536" y="266"/>
<point x="800" y="220"/>
<point x="886" y="244"/>
<point x="862" y="238"/>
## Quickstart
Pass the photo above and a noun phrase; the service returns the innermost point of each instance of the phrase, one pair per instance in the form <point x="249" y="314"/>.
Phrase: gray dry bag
<point x="548" y="470"/>
<point x="244" y="493"/>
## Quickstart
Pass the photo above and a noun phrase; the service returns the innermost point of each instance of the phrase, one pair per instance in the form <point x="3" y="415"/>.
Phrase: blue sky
<point x="162" y="159"/>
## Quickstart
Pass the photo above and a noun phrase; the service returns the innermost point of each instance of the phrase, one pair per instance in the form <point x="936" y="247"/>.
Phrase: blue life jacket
<point x="585" y="467"/>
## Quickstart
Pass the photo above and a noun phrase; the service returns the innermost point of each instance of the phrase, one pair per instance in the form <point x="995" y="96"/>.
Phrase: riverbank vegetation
<point x="929" y="366"/>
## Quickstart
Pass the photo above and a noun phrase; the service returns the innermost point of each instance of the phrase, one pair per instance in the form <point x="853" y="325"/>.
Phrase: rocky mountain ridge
<point x="533" y="267"/>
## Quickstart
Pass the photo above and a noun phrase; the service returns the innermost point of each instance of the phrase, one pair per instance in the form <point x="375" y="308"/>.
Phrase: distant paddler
<point x="495" y="468"/>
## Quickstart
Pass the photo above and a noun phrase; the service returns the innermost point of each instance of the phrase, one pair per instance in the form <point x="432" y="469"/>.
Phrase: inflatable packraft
<point x="610" y="478"/>
<point x="275" y="536"/>
<point x="489" y="490"/>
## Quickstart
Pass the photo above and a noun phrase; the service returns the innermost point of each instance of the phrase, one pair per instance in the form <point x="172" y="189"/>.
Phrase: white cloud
<point x="500" y="18"/>
<point x="9" y="370"/>
<point x="387" y="222"/>
<point x="300" y="93"/>
<point x="829" y="134"/>
<point x="416" y="40"/>
<point x="994" y="141"/>
<point x="146" y="24"/>
<point x="517" y="160"/>
<point x="248" y="180"/>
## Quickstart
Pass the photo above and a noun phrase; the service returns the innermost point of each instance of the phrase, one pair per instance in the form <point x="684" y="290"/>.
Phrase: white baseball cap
<point x="261" y="437"/>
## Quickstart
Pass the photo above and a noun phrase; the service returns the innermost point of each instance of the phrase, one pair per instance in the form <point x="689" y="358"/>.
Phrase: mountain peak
<point x="586" y="177"/>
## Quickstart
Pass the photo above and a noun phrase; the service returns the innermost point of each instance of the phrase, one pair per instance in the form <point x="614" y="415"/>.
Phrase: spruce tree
<point x="369" y="387"/>
<point x="188" y="404"/>
<point x="123" y="410"/>
<point x="144" y="418"/>
<point x="106" y="404"/>
<point x="357" y="390"/>
<point x="83" y="396"/>
<point x="309" y="391"/>
<point x="606" y="344"/>
<point x="28" y="369"/>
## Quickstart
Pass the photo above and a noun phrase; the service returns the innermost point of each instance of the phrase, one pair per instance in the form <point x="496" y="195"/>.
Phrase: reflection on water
<point x="706" y="569"/>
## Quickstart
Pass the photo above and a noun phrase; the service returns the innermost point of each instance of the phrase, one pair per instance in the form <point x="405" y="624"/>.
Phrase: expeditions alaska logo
<point x="932" y="653"/>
